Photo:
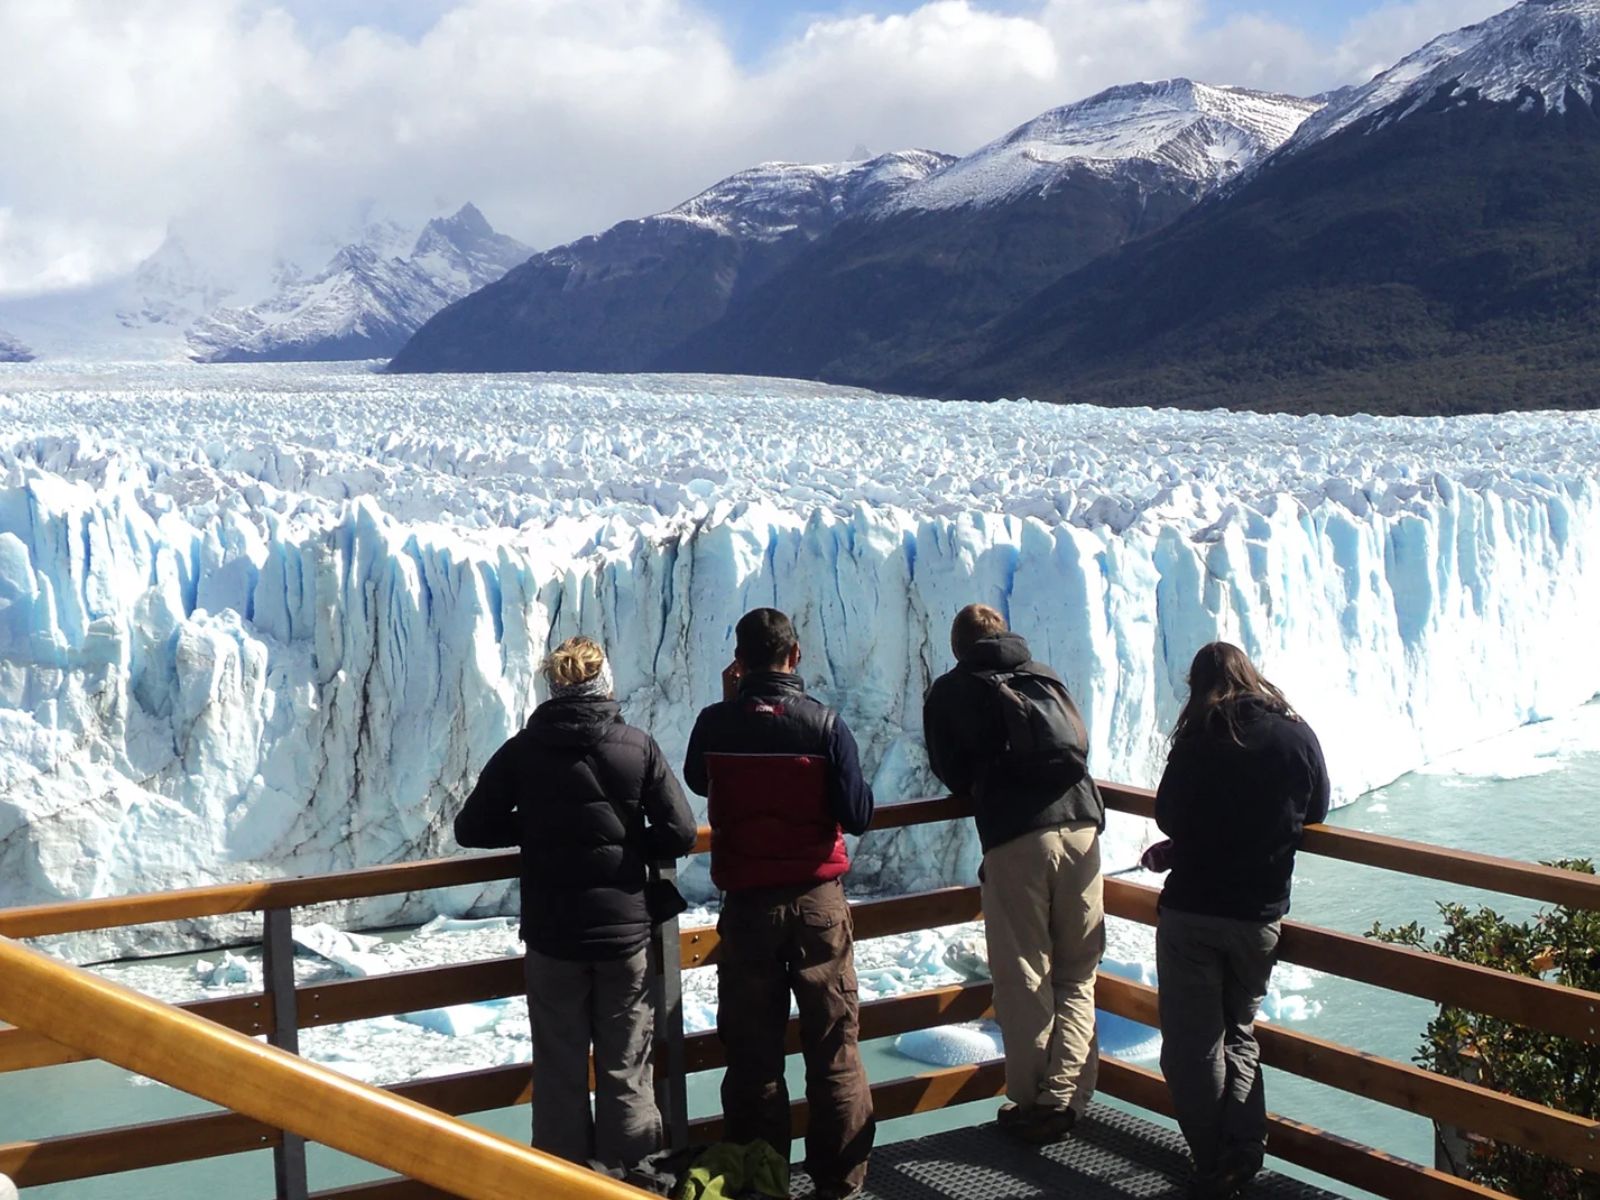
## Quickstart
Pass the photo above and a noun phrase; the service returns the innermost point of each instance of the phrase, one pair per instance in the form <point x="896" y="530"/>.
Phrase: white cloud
<point x="254" y="126"/>
<point x="1376" y="40"/>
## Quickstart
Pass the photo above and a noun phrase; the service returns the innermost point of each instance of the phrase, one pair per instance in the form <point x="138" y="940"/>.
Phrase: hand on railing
<point x="1157" y="856"/>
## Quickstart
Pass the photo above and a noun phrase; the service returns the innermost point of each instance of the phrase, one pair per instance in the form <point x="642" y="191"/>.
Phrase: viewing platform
<point x="274" y="1099"/>
<point x="1111" y="1155"/>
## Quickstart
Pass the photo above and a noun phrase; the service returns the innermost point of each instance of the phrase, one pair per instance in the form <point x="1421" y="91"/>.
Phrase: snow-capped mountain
<point x="617" y="300"/>
<point x="12" y="349"/>
<point x="1195" y="130"/>
<point x="170" y="289"/>
<point x="141" y="315"/>
<point x="838" y="272"/>
<point x="939" y="259"/>
<point x="369" y="298"/>
<point x="1541" y="55"/>
<point x="1423" y="244"/>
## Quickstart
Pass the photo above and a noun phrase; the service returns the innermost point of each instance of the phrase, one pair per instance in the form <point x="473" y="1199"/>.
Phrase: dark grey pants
<point x="1213" y="974"/>
<point x="571" y="1006"/>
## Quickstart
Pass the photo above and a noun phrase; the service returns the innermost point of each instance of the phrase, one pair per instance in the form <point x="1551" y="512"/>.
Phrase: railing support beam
<point x="672" y="1076"/>
<point x="277" y="977"/>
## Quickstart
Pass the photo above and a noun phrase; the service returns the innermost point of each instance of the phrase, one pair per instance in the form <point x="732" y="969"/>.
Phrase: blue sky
<point x="755" y="27"/>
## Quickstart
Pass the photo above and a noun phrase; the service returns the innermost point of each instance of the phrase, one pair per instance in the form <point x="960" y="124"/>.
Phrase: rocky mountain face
<point x="619" y="300"/>
<point x="370" y="297"/>
<point x="1424" y="244"/>
<point x="944" y="256"/>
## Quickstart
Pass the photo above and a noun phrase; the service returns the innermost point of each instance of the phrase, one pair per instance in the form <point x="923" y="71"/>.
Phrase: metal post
<point x="672" y="1082"/>
<point x="277" y="974"/>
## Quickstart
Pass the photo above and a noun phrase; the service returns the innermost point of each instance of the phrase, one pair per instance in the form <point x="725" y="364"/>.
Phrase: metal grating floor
<point x="1110" y="1156"/>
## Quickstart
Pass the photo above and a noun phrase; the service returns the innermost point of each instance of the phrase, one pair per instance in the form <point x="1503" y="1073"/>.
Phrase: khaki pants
<point x="1044" y="917"/>
<point x="800" y="940"/>
<point x="608" y="1004"/>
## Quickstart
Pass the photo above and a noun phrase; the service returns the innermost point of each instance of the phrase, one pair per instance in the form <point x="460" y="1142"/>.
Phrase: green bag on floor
<point x="728" y="1171"/>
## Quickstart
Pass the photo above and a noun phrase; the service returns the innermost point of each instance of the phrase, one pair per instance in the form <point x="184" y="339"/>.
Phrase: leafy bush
<point x="1560" y="945"/>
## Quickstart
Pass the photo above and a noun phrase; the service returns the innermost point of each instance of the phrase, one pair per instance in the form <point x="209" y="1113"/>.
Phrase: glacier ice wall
<point x="230" y="649"/>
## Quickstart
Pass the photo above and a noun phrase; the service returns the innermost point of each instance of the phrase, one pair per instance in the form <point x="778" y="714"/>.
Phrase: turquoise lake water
<point x="1533" y="794"/>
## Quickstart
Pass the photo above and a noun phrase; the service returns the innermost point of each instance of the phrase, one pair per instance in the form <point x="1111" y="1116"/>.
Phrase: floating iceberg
<point x="273" y="620"/>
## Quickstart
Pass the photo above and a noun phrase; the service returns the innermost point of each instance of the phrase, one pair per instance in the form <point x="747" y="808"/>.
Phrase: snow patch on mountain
<point x="777" y="198"/>
<point x="1539" y="54"/>
<point x="1200" y="132"/>
<point x="370" y="297"/>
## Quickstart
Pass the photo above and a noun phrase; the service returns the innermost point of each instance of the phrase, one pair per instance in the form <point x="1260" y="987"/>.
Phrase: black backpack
<point x="1046" y="744"/>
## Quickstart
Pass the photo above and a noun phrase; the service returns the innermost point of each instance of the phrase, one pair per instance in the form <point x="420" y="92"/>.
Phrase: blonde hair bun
<point x="576" y="661"/>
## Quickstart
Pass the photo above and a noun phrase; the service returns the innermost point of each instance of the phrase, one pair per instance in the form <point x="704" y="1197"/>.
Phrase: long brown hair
<point x="1219" y="677"/>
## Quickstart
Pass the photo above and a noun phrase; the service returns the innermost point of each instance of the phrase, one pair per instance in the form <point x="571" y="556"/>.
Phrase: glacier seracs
<point x="263" y="620"/>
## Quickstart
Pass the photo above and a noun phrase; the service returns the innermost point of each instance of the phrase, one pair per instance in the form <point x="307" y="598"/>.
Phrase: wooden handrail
<point x="1528" y="1001"/>
<point x="1416" y="858"/>
<point x="1508" y="875"/>
<point x="223" y="899"/>
<point x="1536" y="1128"/>
<point x="1533" y="1002"/>
<point x="1566" y="1011"/>
<point x="228" y="1068"/>
<point x="1546" y="1131"/>
<point x="182" y="1139"/>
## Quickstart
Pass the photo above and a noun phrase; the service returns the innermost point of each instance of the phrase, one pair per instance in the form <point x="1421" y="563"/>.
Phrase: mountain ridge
<point x="905" y="249"/>
<point x="367" y="300"/>
<point x="616" y="300"/>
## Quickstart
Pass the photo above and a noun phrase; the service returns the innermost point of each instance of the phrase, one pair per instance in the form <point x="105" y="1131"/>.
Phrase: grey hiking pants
<point x="1213" y="974"/>
<point x="606" y="1004"/>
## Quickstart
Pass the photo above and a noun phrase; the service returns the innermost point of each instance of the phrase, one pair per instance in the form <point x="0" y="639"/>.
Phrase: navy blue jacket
<point x="783" y="774"/>
<point x="1235" y="814"/>
<point x="966" y="740"/>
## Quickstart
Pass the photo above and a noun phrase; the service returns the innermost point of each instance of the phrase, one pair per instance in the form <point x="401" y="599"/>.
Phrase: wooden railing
<point x="279" y="1088"/>
<point x="281" y="1009"/>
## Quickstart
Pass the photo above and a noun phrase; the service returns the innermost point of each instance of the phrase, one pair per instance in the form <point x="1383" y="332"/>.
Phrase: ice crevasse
<point x="239" y="683"/>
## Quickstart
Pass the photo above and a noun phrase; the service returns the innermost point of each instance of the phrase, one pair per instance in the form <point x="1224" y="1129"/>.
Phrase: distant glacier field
<point x="259" y="619"/>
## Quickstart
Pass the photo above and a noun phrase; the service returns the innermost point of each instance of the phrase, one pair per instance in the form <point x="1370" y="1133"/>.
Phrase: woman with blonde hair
<point x="590" y="801"/>
<point x="1244" y="776"/>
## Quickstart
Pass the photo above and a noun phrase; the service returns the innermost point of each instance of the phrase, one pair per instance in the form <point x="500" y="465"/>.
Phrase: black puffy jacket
<point x="1235" y="811"/>
<point x="591" y="802"/>
<point x="966" y="740"/>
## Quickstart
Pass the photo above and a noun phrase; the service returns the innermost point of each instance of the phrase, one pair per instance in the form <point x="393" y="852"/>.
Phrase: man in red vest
<point x="784" y="782"/>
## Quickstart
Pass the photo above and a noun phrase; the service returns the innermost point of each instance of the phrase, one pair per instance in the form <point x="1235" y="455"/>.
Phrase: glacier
<point x="259" y="620"/>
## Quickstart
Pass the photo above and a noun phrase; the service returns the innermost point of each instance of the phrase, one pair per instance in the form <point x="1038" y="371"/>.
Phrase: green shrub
<point x="1560" y="945"/>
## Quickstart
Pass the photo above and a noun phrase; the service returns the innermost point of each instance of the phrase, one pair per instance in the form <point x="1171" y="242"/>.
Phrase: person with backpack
<point x="591" y="802"/>
<point x="784" y="782"/>
<point x="1002" y="731"/>
<point x="1244" y="777"/>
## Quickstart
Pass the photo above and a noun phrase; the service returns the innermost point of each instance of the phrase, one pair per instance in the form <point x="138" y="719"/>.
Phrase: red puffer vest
<point x="771" y="821"/>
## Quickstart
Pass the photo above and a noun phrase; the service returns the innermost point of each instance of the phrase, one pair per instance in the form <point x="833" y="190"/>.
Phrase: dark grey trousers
<point x="571" y="1006"/>
<point x="1213" y="975"/>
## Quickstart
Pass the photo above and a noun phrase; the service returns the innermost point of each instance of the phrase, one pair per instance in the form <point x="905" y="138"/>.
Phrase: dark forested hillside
<point x="1446" y="262"/>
